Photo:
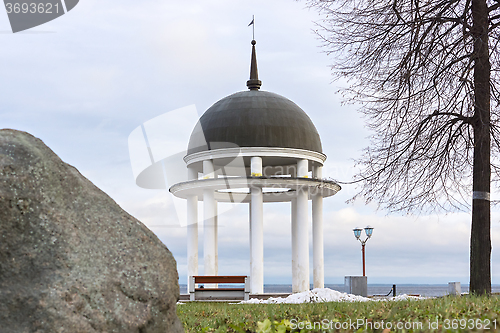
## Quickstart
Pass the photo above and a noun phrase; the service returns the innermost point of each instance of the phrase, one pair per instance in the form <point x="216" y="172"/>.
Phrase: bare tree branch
<point x="426" y="75"/>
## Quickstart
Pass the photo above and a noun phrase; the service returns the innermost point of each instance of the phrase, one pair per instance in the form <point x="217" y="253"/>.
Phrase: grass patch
<point x="448" y="314"/>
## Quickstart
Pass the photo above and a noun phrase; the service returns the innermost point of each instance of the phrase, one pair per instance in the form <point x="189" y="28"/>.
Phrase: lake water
<point x="375" y="289"/>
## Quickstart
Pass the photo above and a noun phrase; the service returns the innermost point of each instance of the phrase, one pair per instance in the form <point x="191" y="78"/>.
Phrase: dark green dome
<point x="254" y="118"/>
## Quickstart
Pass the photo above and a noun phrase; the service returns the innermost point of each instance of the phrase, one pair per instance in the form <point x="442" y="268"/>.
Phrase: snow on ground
<point x="320" y="295"/>
<point x="405" y="297"/>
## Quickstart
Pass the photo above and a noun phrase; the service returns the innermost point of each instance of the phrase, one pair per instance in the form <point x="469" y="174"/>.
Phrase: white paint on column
<point x="295" y="257"/>
<point x="318" y="172"/>
<point x="302" y="242"/>
<point x="302" y="231"/>
<point x="317" y="230"/>
<point x="208" y="169"/>
<point x="209" y="211"/>
<point x="192" y="230"/>
<point x="192" y="173"/>
<point x="256" y="231"/>
<point x="250" y="233"/>
<point x="302" y="168"/>
<point x="209" y="247"/>
<point x="192" y="235"/>
<point x="216" y="234"/>
<point x="256" y="166"/>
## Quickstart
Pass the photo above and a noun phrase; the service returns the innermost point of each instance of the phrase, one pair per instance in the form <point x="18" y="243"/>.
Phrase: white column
<point x="256" y="231"/>
<point x="295" y="258"/>
<point x="208" y="169"/>
<point x="318" y="172"/>
<point x="209" y="210"/>
<point x="250" y="233"/>
<point x="192" y="229"/>
<point x="256" y="166"/>
<point x="302" y="168"/>
<point x="317" y="230"/>
<point x="302" y="231"/>
<point x="216" y="240"/>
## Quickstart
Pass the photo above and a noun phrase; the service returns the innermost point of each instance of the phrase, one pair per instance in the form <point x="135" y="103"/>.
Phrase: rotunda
<point x="256" y="147"/>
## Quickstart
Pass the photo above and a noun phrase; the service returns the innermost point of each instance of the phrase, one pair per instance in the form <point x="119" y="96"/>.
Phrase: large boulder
<point x="71" y="260"/>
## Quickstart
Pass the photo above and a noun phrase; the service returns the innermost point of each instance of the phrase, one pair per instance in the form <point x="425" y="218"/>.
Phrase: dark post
<point x="393" y="290"/>
<point x="363" y="250"/>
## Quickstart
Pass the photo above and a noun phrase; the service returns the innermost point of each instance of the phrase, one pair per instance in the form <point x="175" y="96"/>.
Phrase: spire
<point x="254" y="83"/>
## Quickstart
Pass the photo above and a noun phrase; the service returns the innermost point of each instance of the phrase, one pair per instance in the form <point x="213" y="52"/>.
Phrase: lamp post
<point x="357" y="234"/>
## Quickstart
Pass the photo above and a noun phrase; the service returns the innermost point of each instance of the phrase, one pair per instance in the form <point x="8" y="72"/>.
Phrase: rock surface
<point x="71" y="260"/>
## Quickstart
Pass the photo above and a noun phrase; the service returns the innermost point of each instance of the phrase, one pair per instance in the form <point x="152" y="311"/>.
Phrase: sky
<point x="85" y="81"/>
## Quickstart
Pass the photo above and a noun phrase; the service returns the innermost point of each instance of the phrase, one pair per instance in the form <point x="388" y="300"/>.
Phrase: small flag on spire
<point x="253" y="26"/>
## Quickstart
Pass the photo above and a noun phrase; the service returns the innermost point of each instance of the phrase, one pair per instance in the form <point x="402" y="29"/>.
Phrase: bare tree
<point x="425" y="73"/>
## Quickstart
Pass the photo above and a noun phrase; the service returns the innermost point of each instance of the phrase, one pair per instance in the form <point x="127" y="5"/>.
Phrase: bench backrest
<point x="222" y="279"/>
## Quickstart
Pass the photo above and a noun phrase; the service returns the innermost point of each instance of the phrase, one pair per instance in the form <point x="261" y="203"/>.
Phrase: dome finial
<point x="254" y="83"/>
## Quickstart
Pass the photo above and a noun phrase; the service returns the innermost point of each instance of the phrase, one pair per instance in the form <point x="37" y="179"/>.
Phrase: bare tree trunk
<point x="480" y="250"/>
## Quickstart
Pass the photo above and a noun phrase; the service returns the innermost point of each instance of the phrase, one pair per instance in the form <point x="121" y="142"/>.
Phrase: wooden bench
<point x="219" y="293"/>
